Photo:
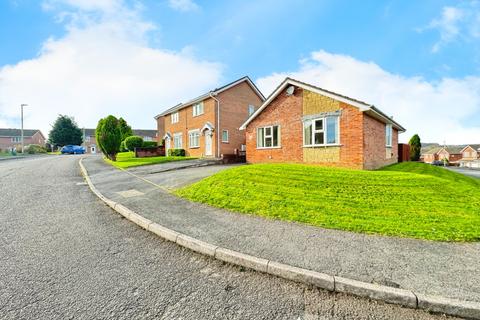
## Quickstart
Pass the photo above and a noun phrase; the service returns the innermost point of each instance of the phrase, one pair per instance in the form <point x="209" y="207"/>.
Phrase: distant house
<point x="452" y="153"/>
<point x="208" y="125"/>
<point x="470" y="156"/>
<point x="90" y="143"/>
<point x="303" y="123"/>
<point x="12" y="138"/>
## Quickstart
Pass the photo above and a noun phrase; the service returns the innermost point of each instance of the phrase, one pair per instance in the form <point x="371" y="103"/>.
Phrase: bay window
<point x="320" y="131"/>
<point x="268" y="137"/>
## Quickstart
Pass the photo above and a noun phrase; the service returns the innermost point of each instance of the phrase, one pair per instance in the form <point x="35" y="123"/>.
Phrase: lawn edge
<point x="403" y="297"/>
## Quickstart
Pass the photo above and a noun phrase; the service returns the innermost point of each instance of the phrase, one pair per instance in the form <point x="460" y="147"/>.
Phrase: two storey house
<point x="208" y="126"/>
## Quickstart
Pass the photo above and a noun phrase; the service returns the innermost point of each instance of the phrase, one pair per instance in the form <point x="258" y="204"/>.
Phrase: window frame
<point x="271" y="135"/>
<point x="16" y="139"/>
<point x="324" y="130"/>
<point x="197" y="133"/>
<point x="176" y="135"/>
<point x="388" y="129"/>
<point x="228" y="136"/>
<point x="175" y="117"/>
<point x="196" y="108"/>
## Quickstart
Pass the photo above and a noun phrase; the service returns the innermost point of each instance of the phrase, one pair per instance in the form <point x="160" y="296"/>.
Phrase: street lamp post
<point x="21" y="107"/>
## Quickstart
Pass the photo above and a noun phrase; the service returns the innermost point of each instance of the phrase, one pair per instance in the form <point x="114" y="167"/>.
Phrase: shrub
<point x="109" y="136"/>
<point x="35" y="148"/>
<point x="149" y="144"/>
<point x="176" y="152"/>
<point x="123" y="148"/>
<point x="133" y="142"/>
<point x="415" y="147"/>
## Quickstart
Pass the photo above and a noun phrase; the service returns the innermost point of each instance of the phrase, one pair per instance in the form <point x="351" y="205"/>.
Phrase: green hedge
<point x="35" y="148"/>
<point x="133" y="142"/>
<point x="176" y="153"/>
<point x="149" y="144"/>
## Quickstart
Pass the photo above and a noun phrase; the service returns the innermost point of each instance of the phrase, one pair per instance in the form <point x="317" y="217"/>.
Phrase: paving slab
<point x="432" y="268"/>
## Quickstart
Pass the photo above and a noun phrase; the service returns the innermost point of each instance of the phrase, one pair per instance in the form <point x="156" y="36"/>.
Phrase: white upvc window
<point x="175" y="117"/>
<point x="177" y="140"/>
<point x="194" y="138"/>
<point x="251" y="110"/>
<point x="87" y="139"/>
<point x="16" y="139"/>
<point x="321" y="132"/>
<point x="388" y="135"/>
<point x="147" y="138"/>
<point x="198" y="109"/>
<point x="225" y="136"/>
<point x="268" y="137"/>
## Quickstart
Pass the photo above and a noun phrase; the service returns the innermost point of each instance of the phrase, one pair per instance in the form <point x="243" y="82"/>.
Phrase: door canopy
<point x="207" y="127"/>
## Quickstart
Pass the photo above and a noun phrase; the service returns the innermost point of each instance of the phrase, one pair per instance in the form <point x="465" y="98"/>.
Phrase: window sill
<point x="322" y="145"/>
<point x="266" y="148"/>
<point x="194" y="147"/>
<point x="198" y="115"/>
<point x="225" y="142"/>
<point x="388" y="146"/>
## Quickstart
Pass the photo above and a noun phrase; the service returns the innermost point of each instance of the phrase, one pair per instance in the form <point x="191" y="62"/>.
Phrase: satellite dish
<point x="290" y="90"/>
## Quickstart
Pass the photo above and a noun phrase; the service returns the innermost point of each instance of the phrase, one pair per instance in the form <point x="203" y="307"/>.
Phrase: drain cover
<point x="130" y="193"/>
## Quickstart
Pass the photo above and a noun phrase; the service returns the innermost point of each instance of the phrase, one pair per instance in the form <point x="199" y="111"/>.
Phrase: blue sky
<point x="429" y="48"/>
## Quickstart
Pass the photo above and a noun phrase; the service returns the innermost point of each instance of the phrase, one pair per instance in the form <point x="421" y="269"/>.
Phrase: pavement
<point x="474" y="173"/>
<point x="65" y="255"/>
<point x="427" y="267"/>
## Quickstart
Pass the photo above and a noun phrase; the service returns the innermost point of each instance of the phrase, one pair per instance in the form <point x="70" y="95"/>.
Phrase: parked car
<point x="438" y="163"/>
<point x="70" y="149"/>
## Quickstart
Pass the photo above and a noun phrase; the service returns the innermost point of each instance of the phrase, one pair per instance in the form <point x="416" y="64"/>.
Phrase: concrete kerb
<point x="407" y="298"/>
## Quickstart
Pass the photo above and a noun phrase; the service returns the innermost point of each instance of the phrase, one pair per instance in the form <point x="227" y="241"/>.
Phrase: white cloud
<point x="436" y="111"/>
<point x="103" y="65"/>
<point x="462" y="21"/>
<point x="183" y="5"/>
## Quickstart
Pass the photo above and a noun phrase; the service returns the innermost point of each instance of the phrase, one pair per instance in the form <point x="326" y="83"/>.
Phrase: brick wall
<point x="233" y="113"/>
<point x="351" y="137"/>
<point x="285" y="111"/>
<point x="376" y="154"/>
<point x="160" y="129"/>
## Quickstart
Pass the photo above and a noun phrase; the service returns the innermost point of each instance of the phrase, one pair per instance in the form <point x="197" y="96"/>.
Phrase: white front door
<point x="93" y="150"/>
<point x="167" y="145"/>
<point x="208" y="143"/>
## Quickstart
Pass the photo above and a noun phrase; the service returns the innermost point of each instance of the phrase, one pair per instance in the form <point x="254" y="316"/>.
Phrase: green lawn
<point x="127" y="160"/>
<point x="407" y="200"/>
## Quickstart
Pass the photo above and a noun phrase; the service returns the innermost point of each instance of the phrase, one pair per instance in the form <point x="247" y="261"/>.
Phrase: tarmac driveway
<point x="174" y="175"/>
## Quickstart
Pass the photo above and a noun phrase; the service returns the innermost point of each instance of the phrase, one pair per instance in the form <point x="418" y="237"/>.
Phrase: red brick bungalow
<point x="452" y="153"/>
<point x="303" y="123"/>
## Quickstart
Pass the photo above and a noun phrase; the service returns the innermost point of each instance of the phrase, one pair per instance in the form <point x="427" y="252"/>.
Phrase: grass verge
<point x="128" y="160"/>
<point x="407" y="200"/>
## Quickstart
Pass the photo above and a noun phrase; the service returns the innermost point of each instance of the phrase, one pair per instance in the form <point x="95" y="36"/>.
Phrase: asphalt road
<point x="65" y="255"/>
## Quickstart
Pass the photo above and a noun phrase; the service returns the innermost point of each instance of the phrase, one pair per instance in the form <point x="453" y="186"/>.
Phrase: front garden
<point x="128" y="160"/>
<point x="406" y="200"/>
